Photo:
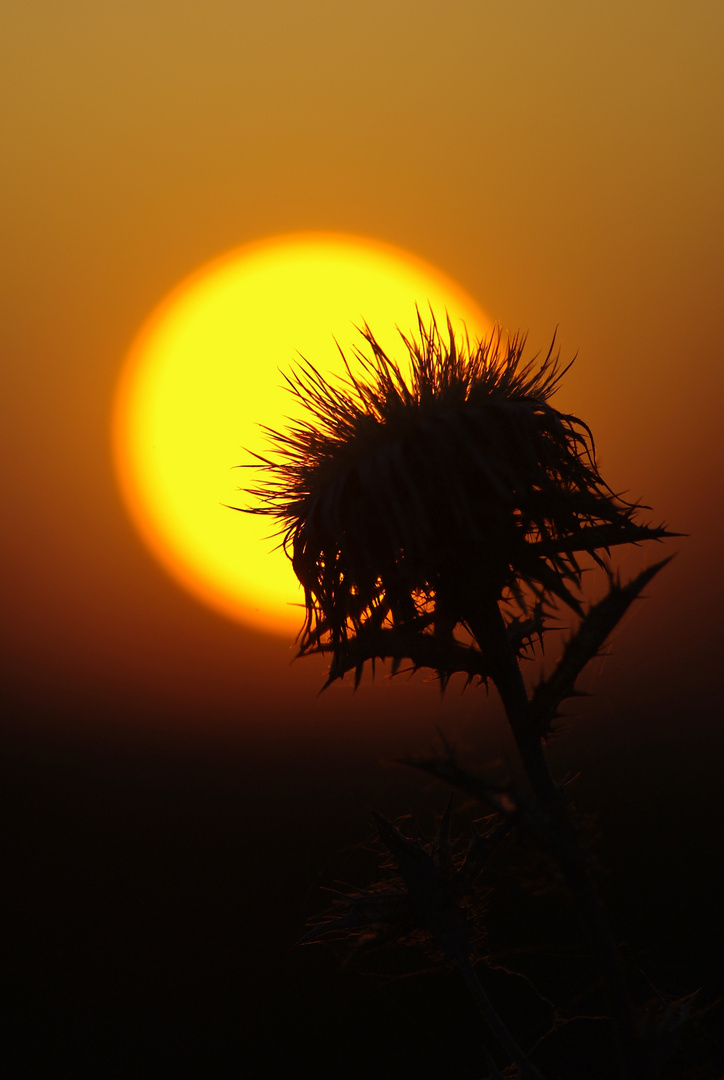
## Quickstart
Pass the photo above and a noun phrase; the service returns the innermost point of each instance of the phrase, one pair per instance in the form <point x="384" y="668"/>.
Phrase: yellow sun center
<point x="206" y="371"/>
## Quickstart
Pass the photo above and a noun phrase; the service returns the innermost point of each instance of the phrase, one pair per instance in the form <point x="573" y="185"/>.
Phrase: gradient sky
<point x="563" y="161"/>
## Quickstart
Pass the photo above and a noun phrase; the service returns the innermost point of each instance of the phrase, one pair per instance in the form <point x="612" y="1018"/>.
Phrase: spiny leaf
<point x="498" y="797"/>
<point x="586" y="643"/>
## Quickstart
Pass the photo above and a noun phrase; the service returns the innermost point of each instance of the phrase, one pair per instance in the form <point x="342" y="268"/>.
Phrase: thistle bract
<point x="412" y="496"/>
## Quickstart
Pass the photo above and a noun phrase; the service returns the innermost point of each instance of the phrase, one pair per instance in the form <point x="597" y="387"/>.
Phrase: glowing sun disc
<point x="204" y="373"/>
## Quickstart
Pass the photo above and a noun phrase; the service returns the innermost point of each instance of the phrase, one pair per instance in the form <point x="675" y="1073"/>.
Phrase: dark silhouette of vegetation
<point x="438" y="518"/>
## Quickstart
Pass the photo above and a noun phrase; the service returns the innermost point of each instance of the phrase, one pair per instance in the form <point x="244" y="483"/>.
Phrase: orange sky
<point x="563" y="162"/>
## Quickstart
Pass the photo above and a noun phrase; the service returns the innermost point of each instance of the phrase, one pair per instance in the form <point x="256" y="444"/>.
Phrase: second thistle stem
<point x="526" y="1068"/>
<point x="558" y="829"/>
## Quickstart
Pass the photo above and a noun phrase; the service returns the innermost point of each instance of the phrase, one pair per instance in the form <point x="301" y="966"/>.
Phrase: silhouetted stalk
<point x="558" y="830"/>
<point x="527" y="1070"/>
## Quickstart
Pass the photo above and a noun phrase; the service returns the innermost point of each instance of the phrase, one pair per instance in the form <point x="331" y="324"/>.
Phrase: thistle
<point x="429" y="898"/>
<point x="437" y="515"/>
<point x="410" y="504"/>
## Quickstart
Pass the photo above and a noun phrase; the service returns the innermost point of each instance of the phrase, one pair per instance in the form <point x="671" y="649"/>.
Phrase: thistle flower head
<point x="408" y="498"/>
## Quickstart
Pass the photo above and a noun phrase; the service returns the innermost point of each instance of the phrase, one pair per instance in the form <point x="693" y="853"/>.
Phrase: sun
<point x="206" y="370"/>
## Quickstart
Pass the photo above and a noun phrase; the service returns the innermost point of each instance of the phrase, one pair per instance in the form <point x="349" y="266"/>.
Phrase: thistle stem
<point x="557" y="827"/>
<point x="527" y="1070"/>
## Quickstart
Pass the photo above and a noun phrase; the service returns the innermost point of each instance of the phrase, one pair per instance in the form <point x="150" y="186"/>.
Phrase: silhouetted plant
<point x="437" y="517"/>
<point x="431" y="897"/>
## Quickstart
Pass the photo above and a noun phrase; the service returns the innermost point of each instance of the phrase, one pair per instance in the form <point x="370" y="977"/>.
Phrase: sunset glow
<point x="205" y="372"/>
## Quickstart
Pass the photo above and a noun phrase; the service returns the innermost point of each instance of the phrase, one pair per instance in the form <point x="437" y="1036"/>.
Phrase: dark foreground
<point x="156" y="888"/>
